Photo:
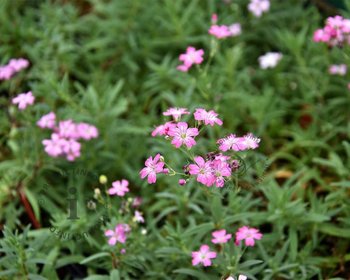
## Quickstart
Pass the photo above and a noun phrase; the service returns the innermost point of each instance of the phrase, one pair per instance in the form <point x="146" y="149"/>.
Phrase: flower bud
<point x="103" y="179"/>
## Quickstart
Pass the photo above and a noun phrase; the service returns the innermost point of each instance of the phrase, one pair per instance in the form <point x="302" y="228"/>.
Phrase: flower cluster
<point x="213" y="169"/>
<point x="23" y="100"/>
<point x="119" y="234"/>
<point x="224" y="31"/>
<point x="337" y="69"/>
<point x="192" y="56"/>
<point x="335" y="33"/>
<point x="269" y="60"/>
<point x="65" y="136"/>
<point x="14" y="66"/>
<point x="204" y="255"/>
<point x="258" y="7"/>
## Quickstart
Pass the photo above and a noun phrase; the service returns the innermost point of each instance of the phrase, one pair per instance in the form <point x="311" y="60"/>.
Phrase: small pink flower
<point x="250" y="141"/>
<point x="221" y="169"/>
<point x="204" y="256"/>
<point x="192" y="56"/>
<point x="182" y="182"/>
<point x="122" y="251"/>
<point x="138" y="217"/>
<point x="119" y="188"/>
<point x="153" y="166"/>
<point x="54" y="146"/>
<point x="18" y="64"/>
<point x="235" y="29"/>
<point x="23" y="100"/>
<point x="72" y="149"/>
<point x="176" y="113"/>
<point x="163" y="129"/>
<point x="86" y="131"/>
<point x="118" y="235"/>
<point x="47" y="121"/>
<point x="220" y="31"/>
<point x="182" y="135"/>
<point x="258" y="7"/>
<point x="338" y="69"/>
<point x="208" y="117"/>
<point x="232" y="142"/>
<point x="220" y="236"/>
<point x="247" y="234"/>
<point x="68" y="129"/>
<point x="214" y="18"/>
<point x="203" y="171"/>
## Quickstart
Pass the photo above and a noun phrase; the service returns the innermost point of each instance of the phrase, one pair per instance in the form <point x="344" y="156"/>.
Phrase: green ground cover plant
<point x="163" y="139"/>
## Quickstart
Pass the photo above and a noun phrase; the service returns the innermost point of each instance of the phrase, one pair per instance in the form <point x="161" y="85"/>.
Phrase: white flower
<point x="269" y="60"/>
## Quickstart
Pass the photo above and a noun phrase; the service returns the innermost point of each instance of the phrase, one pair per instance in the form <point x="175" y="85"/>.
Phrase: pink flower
<point x="247" y="234"/>
<point x="182" y="135"/>
<point x="269" y="60"/>
<point x="258" y="7"/>
<point x="220" y="236"/>
<point x="153" y="166"/>
<point x="72" y="149"/>
<point x="192" y="56"/>
<point x="163" y="129"/>
<point x="203" y="171"/>
<point x="47" y="121"/>
<point x="18" y="64"/>
<point x="204" y="256"/>
<point x="54" y="146"/>
<point x="6" y="72"/>
<point x="337" y="69"/>
<point x="219" y="31"/>
<point x="176" y="113"/>
<point x="182" y="182"/>
<point x="235" y="29"/>
<point x="86" y="131"/>
<point x="250" y="141"/>
<point x="68" y="129"/>
<point x="221" y="169"/>
<point x="118" y="235"/>
<point x="214" y="18"/>
<point x="23" y="100"/>
<point x="138" y="217"/>
<point x="119" y="188"/>
<point x="232" y="142"/>
<point x="208" y="117"/>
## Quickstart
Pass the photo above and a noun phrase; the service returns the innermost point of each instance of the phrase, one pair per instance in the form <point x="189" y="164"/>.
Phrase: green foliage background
<point x="113" y="64"/>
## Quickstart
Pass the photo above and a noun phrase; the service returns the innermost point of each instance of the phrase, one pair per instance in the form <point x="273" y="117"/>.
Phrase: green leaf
<point x="94" y="257"/>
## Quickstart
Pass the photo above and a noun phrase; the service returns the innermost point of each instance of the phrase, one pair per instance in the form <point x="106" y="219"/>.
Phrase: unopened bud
<point x="103" y="179"/>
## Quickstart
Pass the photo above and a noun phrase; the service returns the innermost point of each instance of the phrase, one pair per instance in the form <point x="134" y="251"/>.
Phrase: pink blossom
<point x="138" y="217"/>
<point x="6" y="72"/>
<point x="258" y="7"/>
<point x="182" y="135"/>
<point x="119" y="234"/>
<point x="220" y="236"/>
<point x="204" y="256"/>
<point x="269" y="60"/>
<point x="153" y="166"/>
<point x="182" y="182"/>
<point x="247" y="234"/>
<point x="23" y="100"/>
<point x="220" y="170"/>
<point x="232" y="142"/>
<point x="68" y="129"/>
<point x="54" y="146"/>
<point x="119" y="188"/>
<point x="203" y="170"/>
<point x="214" y="18"/>
<point x="72" y="149"/>
<point x="338" y="69"/>
<point x="86" y="131"/>
<point x="47" y="121"/>
<point x="192" y="56"/>
<point x="122" y="251"/>
<point x="14" y="66"/>
<point x="250" y="141"/>
<point x="208" y="117"/>
<point x="235" y="29"/>
<point x="219" y="31"/>
<point x="163" y="129"/>
<point x="176" y="113"/>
